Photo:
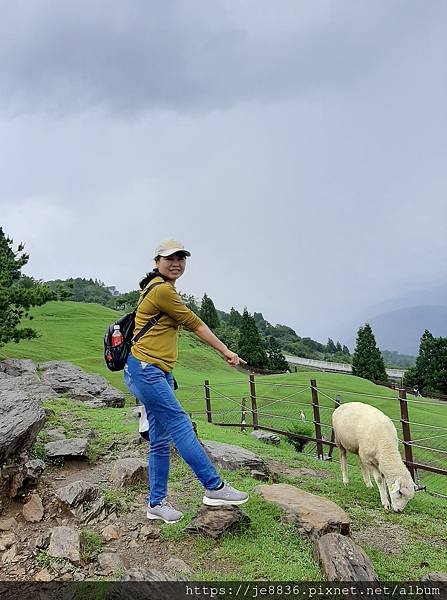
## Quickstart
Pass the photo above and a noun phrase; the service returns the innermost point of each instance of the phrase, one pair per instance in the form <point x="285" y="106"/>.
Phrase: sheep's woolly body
<point x="368" y="432"/>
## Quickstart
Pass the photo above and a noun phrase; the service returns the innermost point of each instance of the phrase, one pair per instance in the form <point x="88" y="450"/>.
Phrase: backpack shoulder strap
<point x="152" y="321"/>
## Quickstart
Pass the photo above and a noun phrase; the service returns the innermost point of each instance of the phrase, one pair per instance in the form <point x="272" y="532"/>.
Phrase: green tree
<point x="191" y="302"/>
<point x="276" y="359"/>
<point x="346" y="350"/>
<point x="18" y="293"/>
<point x="338" y="347"/>
<point x="331" y="347"/>
<point x="251" y="346"/>
<point x="430" y="371"/>
<point x="367" y="361"/>
<point x="229" y="335"/>
<point x="208" y="313"/>
<point x="235" y="318"/>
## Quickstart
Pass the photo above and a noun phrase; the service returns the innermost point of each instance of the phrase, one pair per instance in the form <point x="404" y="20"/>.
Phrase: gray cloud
<point x="68" y="57"/>
<point x="319" y="190"/>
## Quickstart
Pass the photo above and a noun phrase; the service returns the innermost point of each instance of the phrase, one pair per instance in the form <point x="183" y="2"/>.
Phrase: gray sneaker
<point x="165" y="512"/>
<point x="225" y="496"/>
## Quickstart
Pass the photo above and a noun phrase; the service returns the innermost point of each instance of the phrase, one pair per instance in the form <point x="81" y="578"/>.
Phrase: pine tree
<point x="338" y="347"/>
<point x="346" y="350"/>
<point x="18" y="292"/>
<point x="367" y="362"/>
<point x="330" y="346"/>
<point x="208" y="313"/>
<point x="235" y="319"/>
<point x="276" y="359"/>
<point x="251" y="346"/>
<point x="430" y="371"/>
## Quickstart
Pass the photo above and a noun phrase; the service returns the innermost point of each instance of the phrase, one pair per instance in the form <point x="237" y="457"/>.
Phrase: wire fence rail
<point x="276" y="407"/>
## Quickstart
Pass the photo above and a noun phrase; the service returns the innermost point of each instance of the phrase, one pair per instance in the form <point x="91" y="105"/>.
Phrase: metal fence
<point x="284" y="408"/>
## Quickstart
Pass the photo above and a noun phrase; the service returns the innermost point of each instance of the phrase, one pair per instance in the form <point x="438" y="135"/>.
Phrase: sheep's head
<point x="401" y="492"/>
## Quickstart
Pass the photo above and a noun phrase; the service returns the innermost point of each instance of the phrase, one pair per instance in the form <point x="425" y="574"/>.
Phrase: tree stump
<point x="342" y="560"/>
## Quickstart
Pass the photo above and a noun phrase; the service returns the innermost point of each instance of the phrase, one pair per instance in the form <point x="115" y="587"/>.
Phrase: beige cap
<point x="168" y="247"/>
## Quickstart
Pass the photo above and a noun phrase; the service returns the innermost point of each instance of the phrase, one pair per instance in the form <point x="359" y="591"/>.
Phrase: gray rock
<point x="177" y="565"/>
<point x="21" y="421"/>
<point x="442" y="577"/>
<point x="128" y="471"/>
<point x="266" y="436"/>
<point x="75" y="447"/>
<point x="342" y="560"/>
<point x="42" y="541"/>
<point x="109" y="562"/>
<point x="233" y="458"/>
<point x="65" y="543"/>
<point x="66" y="378"/>
<point x="34" y="469"/>
<point x="28" y="383"/>
<point x="54" y="435"/>
<point x="7" y="524"/>
<point x="111" y="532"/>
<point x="314" y="515"/>
<point x="259" y="475"/>
<point x="6" y="541"/>
<point x="83" y="501"/>
<point x="149" y="531"/>
<point x="17" y="366"/>
<point x="33" y="510"/>
<point x="215" y="521"/>
<point x="74" y="494"/>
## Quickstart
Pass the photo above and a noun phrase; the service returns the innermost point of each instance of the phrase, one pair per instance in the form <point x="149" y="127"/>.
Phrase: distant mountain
<point x="401" y="329"/>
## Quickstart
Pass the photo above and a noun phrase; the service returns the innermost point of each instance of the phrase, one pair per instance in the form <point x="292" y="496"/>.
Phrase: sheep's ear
<point x="395" y="487"/>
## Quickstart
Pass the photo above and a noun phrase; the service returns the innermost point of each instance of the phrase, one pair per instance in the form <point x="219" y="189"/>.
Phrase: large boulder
<point x="233" y="458"/>
<point x="21" y="421"/>
<point x="66" y="378"/>
<point x="313" y="515"/>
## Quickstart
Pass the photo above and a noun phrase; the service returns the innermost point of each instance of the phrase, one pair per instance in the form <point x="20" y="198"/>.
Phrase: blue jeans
<point x="167" y="421"/>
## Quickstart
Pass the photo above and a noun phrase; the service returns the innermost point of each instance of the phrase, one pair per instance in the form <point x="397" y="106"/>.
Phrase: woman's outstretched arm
<point x="205" y="334"/>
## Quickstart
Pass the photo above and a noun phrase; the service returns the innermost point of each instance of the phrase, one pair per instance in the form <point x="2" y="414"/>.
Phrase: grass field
<point x="270" y="549"/>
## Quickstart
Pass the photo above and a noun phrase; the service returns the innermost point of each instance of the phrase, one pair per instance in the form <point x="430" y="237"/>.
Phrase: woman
<point x="148" y="376"/>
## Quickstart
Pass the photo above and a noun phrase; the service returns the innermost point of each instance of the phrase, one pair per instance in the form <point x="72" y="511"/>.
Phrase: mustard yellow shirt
<point x="159" y="345"/>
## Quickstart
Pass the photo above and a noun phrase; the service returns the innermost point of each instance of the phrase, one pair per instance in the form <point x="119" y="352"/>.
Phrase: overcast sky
<point x="297" y="148"/>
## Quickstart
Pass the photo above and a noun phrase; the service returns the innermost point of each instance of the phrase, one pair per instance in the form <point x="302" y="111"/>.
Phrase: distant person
<point x="416" y="391"/>
<point x="148" y="375"/>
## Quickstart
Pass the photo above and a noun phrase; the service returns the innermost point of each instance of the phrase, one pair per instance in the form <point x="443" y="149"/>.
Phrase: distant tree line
<point x="276" y="340"/>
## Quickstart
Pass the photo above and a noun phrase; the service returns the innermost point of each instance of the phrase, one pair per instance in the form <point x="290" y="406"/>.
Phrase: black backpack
<point x="116" y="356"/>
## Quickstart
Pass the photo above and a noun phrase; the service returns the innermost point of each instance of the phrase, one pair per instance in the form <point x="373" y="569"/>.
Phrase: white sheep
<point x="368" y="432"/>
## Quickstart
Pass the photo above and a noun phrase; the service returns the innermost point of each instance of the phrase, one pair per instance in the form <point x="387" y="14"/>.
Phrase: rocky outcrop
<point x="53" y="378"/>
<point x="66" y="378"/>
<point x="233" y="458"/>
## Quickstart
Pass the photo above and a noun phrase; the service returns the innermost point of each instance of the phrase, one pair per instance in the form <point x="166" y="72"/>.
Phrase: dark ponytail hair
<point x="149" y="276"/>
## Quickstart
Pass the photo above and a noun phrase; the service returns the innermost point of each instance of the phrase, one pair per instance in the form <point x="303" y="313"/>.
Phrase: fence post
<point x="254" y="408"/>
<point x="404" y="419"/>
<point x="243" y="415"/>
<point x="316" y="408"/>
<point x="208" y="401"/>
<point x="337" y="403"/>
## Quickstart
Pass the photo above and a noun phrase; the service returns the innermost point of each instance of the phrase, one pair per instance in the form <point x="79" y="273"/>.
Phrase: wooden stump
<point x="342" y="560"/>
